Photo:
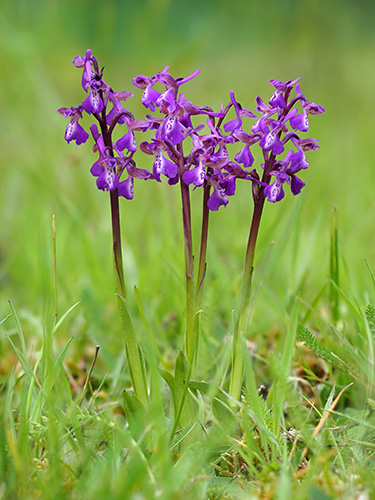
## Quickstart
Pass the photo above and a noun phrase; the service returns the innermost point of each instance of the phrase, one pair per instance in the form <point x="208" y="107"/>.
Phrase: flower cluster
<point x="195" y="155"/>
<point x="105" y="105"/>
<point x="205" y="158"/>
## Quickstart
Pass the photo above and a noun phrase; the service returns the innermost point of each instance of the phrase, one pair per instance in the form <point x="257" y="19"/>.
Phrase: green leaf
<point x="133" y="354"/>
<point x="183" y="402"/>
<point x="64" y="316"/>
<point x="135" y="413"/>
<point x="334" y="268"/>
<point x="219" y="400"/>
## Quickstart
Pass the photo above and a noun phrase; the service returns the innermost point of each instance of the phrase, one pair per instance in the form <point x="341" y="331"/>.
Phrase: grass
<point x="64" y="434"/>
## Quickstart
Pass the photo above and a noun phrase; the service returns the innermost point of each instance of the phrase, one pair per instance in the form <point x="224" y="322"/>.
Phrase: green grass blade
<point x="334" y="268"/>
<point x="64" y="316"/>
<point x="19" y="330"/>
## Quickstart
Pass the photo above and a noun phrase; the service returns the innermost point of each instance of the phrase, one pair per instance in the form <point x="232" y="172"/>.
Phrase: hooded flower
<point x="161" y="164"/>
<point x="74" y="131"/>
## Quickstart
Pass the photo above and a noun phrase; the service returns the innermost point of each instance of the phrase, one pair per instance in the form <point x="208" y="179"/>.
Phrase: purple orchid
<point x="105" y="106"/>
<point x="240" y="113"/>
<point x="74" y="131"/>
<point x="161" y="164"/>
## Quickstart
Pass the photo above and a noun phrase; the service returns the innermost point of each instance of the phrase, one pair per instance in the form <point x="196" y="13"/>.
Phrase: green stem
<point x="189" y="268"/>
<point x="201" y="267"/>
<point x="132" y="351"/>
<point x="133" y="355"/>
<point x="244" y="309"/>
<point x="203" y="249"/>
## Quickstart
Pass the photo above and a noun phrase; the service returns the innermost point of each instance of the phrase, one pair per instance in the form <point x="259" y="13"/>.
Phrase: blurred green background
<point x="238" y="45"/>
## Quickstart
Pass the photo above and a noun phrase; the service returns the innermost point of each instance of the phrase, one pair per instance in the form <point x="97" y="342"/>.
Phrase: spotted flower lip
<point x="107" y="178"/>
<point x="74" y="131"/>
<point x="218" y="198"/>
<point x="271" y="141"/>
<point x="127" y="142"/>
<point x="161" y="164"/>
<point x="93" y="102"/>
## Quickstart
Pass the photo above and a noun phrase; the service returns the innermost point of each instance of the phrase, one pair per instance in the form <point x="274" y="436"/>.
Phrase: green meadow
<point x="65" y="432"/>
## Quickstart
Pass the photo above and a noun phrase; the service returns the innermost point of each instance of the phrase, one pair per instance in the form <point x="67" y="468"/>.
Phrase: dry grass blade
<point x="324" y="418"/>
<point x="89" y="374"/>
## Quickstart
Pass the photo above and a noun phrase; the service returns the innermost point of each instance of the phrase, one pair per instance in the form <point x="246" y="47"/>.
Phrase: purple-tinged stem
<point x="189" y="267"/>
<point x="203" y="248"/>
<point x="133" y="355"/>
<point x="201" y="267"/>
<point x="118" y="267"/>
<point x="244" y="309"/>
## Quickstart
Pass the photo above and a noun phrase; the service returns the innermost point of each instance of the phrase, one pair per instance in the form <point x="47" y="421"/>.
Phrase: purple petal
<point x="245" y="157"/>
<point x="217" y="199"/>
<point x="164" y="166"/>
<point x="194" y="176"/>
<point x="141" y="81"/>
<point x="97" y="169"/>
<point x="149" y="98"/>
<point x="93" y="103"/>
<point x="313" y="109"/>
<point x="74" y="132"/>
<point x="108" y="180"/>
<point x="79" y="61"/>
<point x="272" y="142"/>
<point x="138" y="173"/>
<point x="297" y="161"/>
<point x="300" y="122"/>
<point x="127" y="142"/>
<point x="233" y="125"/>
<point x="126" y="188"/>
<point x="229" y="185"/>
<point x="171" y="131"/>
<point x="296" y="185"/>
<point x="277" y="99"/>
<point x="173" y="180"/>
<point x="274" y="192"/>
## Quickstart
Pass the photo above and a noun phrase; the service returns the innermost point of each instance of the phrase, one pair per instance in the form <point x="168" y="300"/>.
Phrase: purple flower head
<point x="118" y="114"/>
<point x="301" y="121"/>
<point x="284" y="173"/>
<point x="271" y="141"/>
<point x="274" y="192"/>
<point x="93" y="102"/>
<point x="235" y="124"/>
<point x="127" y="142"/>
<point x="85" y="63"/>
<point x="306" y="144"/>
<point x="126" y="188"/>
<point x="282" y="88"/>
<point x="161" y="164"/>
<point x="107" y="178"/>
<point x="196" y="175"/>
<point x="150" y="95"/>
<point x="218" y="197"/>
<point x="74" y="131"/>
